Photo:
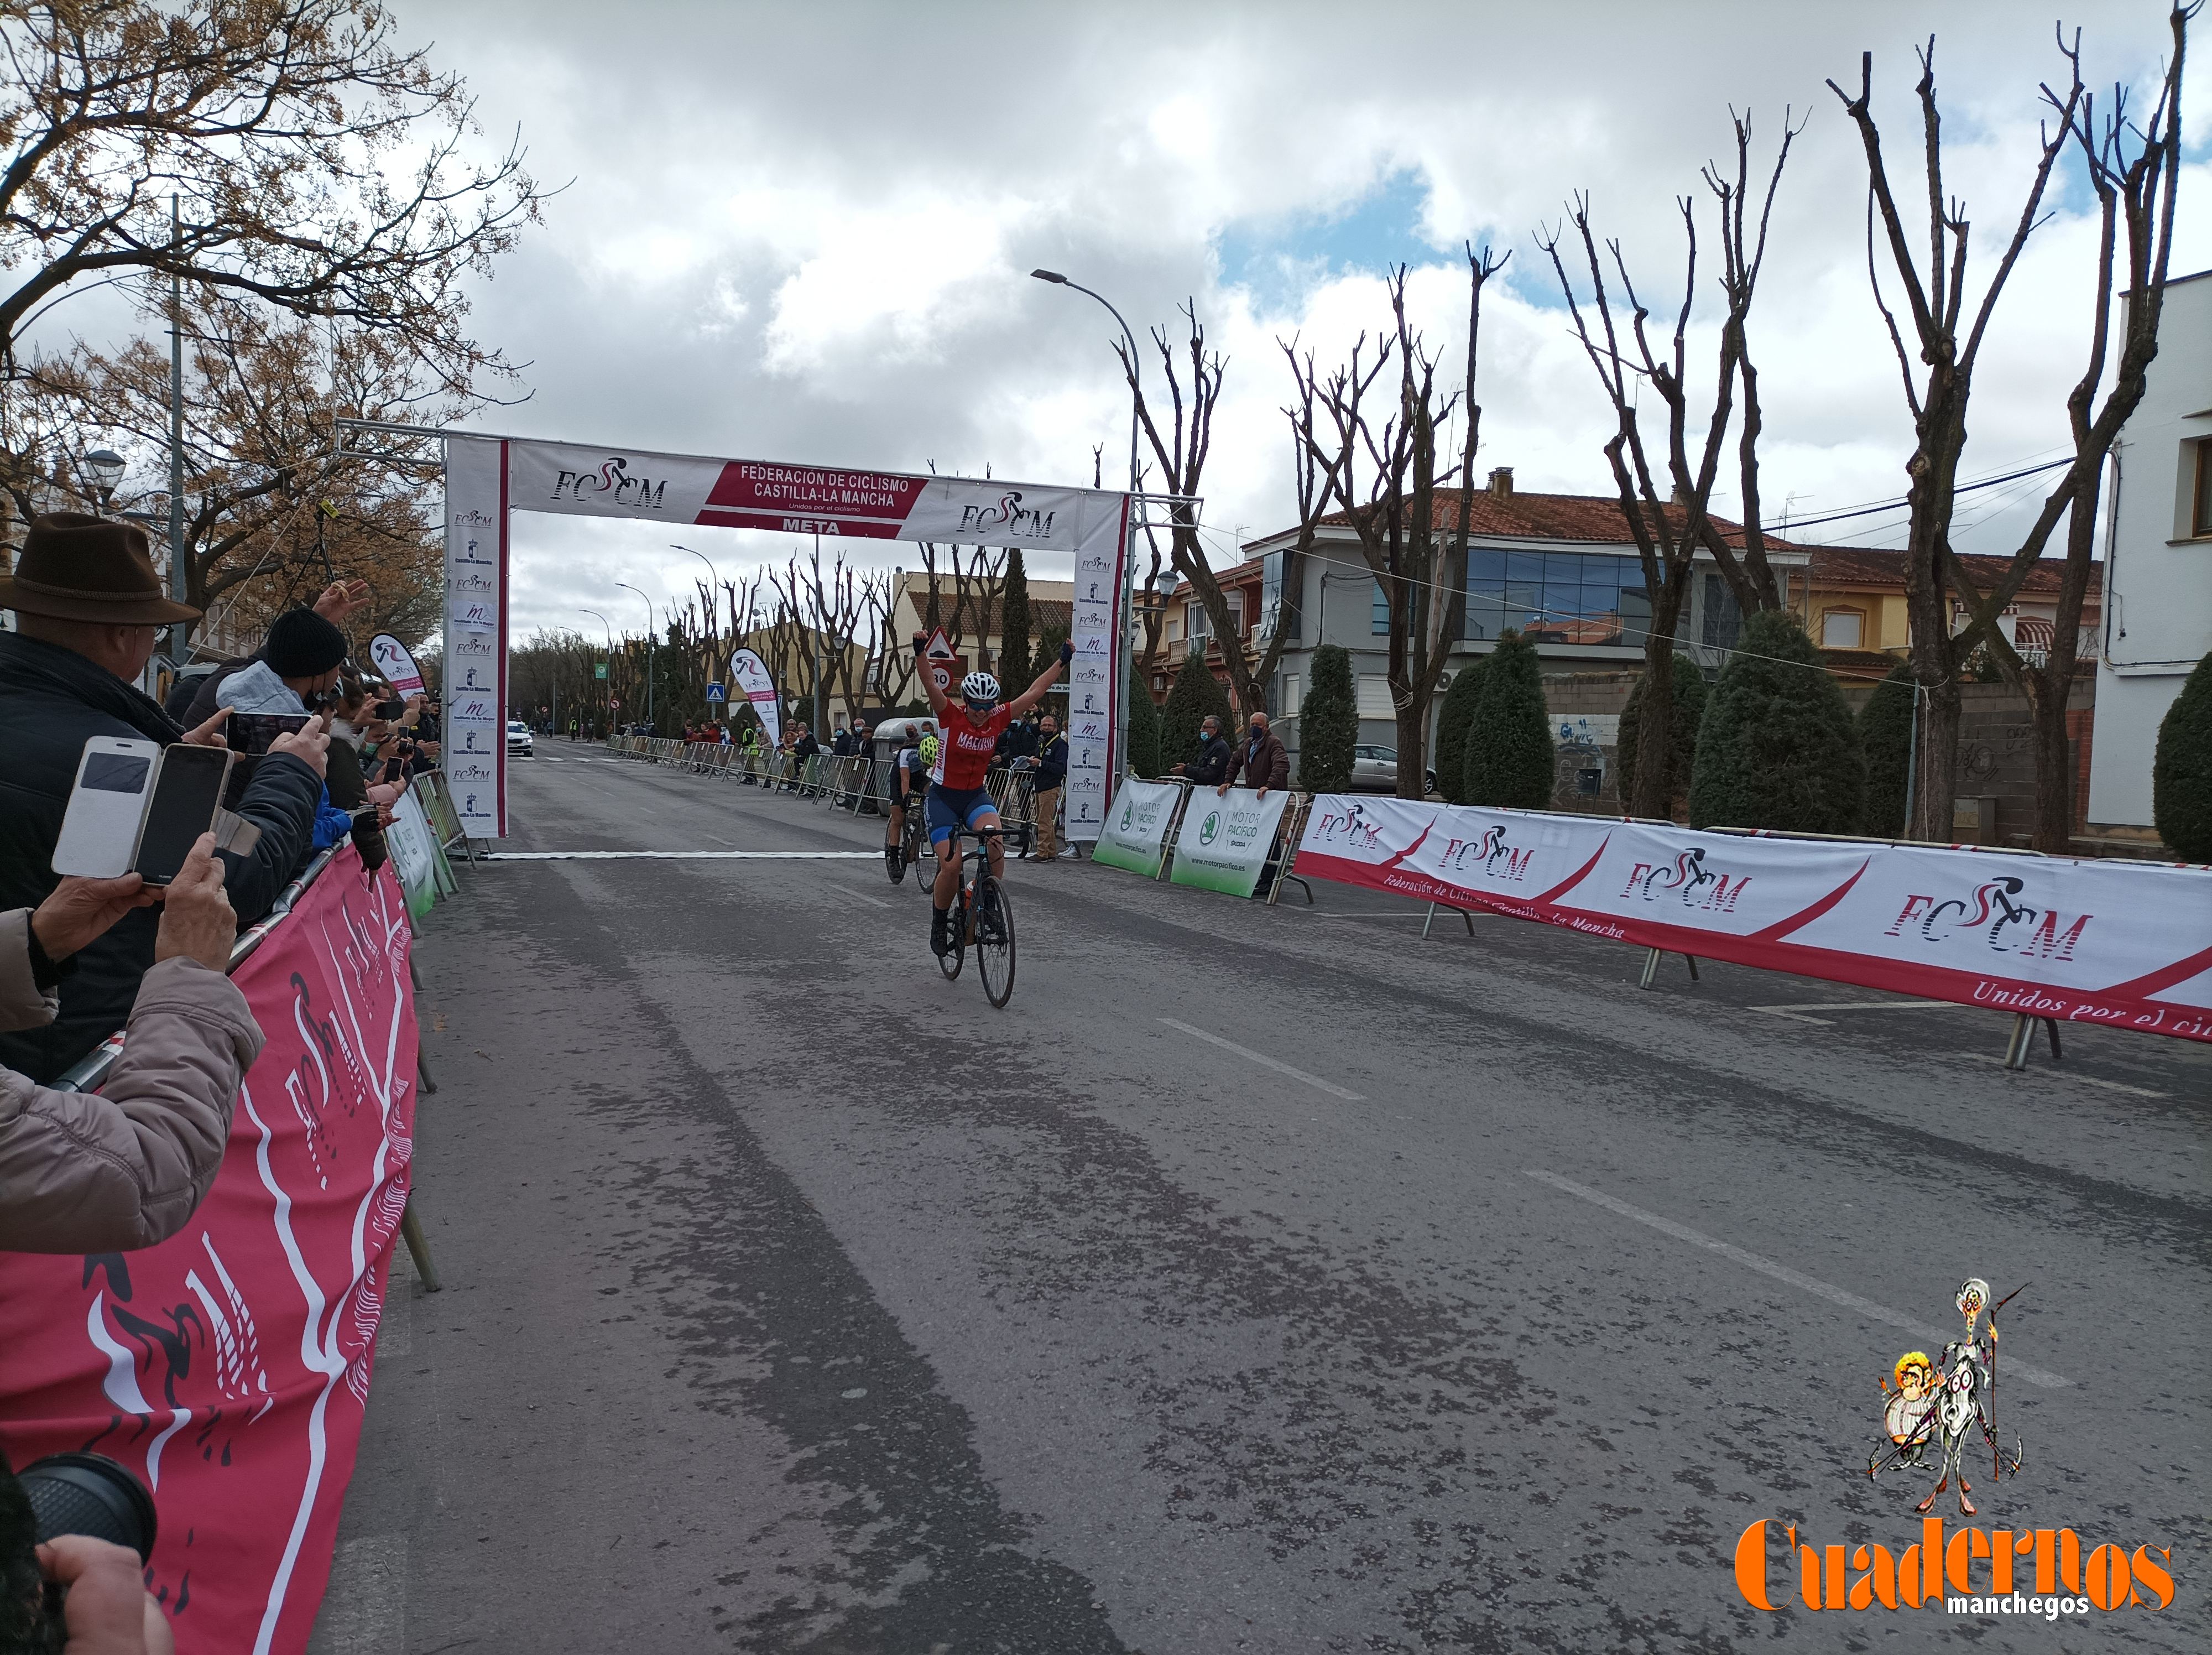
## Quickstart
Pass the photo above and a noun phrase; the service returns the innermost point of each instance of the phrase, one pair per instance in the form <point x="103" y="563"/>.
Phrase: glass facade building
<point x="1557" y="596"/>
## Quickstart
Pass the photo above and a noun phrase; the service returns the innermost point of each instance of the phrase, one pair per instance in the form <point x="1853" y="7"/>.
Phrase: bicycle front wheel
<point x="994" y="940"/>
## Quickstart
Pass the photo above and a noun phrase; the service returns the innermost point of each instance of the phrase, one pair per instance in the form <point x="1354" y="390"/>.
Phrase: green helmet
<point x="929" y="750"/>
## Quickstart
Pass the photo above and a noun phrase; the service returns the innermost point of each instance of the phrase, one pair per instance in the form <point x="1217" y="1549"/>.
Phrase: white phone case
<point x="101" y="828"/>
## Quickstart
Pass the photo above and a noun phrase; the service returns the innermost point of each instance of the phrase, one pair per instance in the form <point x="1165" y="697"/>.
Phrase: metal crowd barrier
<point x="852" y="783"/>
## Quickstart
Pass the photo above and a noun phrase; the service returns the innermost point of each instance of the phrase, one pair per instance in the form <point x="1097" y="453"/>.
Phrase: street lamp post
<point x="1119" y="757"/>
<point x="609" y="626"/>
<point x="649" y="645"/>
<point x="714" y="576"/>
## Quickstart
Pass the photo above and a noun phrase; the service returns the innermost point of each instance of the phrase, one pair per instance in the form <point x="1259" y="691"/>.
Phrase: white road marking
<point x="679" y="855"/>
<point x="2068" y="1074"/>
<point x="1265" y="1062"/>
<point x="1796" y="1013"/>
<point x="1931" y="1337"/>
<point x="857" y="895"/>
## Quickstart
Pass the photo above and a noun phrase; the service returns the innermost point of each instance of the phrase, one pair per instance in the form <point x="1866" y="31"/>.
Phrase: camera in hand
<point x="63" y="1494"/>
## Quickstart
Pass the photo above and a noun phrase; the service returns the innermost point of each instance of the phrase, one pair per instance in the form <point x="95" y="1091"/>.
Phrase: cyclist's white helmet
<point x="979" y="688"/>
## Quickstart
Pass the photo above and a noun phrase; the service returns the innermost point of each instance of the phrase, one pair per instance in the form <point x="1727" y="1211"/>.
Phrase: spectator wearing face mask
<point x="1261" y="762"/>
<point x="87" y="604"/>
<point x="1210" y="767"/>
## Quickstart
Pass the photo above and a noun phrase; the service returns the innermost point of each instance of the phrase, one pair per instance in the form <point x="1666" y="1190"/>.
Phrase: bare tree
<point x="1393" y="514"/>
<point x="1180" y="453"/>
<point x="319" y="165"/>
<point x="1934" y="302"/>
<point x="1669" y="530"/>
<point x="2136" y="195"/>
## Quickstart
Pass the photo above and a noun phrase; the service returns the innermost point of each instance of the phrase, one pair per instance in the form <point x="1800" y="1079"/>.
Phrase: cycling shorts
<point x="949" y="808"/>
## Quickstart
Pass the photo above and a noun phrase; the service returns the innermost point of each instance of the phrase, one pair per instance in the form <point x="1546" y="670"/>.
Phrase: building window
<point x="1194" y="623"/>
<point x="1557" y="596"/>
<point x="1842" y="628"/>
<point x="1293" y="697"/>
<point x="1235" y="598"/>
<point x="1375" y="700"/>
<point x="2200" y="515"/>
<point x="1724" y="618"/>
<point x="1380" y="624"/>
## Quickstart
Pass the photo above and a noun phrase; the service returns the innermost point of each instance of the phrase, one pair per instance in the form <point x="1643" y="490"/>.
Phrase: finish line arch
<point x="489" y="477"/>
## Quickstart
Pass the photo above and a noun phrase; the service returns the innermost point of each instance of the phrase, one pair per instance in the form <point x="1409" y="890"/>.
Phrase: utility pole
<point x="180" y="633"/>
<point x="649" y="646"/>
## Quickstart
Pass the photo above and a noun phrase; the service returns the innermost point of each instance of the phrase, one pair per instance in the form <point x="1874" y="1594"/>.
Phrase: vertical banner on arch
<point x="474" y="733"/>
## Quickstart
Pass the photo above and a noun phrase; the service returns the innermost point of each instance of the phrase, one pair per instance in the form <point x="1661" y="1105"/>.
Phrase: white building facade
<point x="2158" y="570"/>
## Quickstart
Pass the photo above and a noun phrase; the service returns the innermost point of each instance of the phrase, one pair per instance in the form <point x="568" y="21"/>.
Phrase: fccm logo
<point x="610" y="485"/>
<point x="2008" y="927"/>
<point x="1009" y="516"/>
<point x="1348" y="827"/>
<point x="1490" y="855"/>
<point x="473" y="643"/>
<point x="1708" y="890"/>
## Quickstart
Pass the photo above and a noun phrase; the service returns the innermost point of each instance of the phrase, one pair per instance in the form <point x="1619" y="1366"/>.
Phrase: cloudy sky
<point x="803" y="232"/>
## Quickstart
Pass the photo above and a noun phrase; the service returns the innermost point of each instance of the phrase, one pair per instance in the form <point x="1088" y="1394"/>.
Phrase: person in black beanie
<point x="299" y="666"/>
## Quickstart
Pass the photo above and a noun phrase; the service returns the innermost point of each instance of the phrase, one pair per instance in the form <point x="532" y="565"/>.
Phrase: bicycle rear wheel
<point x="994" y="940"/>
<point x="949" y="961"/>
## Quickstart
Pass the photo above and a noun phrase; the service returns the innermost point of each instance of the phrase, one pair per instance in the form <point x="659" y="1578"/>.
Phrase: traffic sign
<point x="715" y="692"/>
<point x="940" y="646"/>
<point x="600" y="671"/>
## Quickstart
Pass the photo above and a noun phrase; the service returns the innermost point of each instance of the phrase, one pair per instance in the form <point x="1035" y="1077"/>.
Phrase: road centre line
<point x="680" y="855"/>
<point x="1933" y="1338"/>
<point x="1265" y="1062"/>
<point x="1796" y="1013"/>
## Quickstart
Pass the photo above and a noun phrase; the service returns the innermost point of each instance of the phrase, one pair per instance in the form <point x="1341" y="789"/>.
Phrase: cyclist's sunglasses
<point x="975" y="706"/>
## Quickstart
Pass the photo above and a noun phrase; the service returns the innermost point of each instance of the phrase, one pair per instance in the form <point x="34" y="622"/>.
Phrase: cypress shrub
<point x="1144" y="729"/>
<point x="1328" y="723"/>
<point x="1886" y="739"/>
<point x="1508" y="758"/>
<point x="1458" y="713"/>
<point x="2181" y="774"/>
<point x="1778" y="749"/>
<point x="1196" y="692"/>
<point x="1690" y="694"/>
<point x="1015" y="668"/>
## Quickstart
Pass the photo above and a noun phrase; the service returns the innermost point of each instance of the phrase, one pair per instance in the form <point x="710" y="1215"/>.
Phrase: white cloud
<point x="805" y="232"/>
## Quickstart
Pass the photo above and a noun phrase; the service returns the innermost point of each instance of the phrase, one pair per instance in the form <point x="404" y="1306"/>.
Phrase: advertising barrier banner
<point x="414" y="849"/>
<point x="1224" y="840"/>
<point x="2125" y="944"/>
<point x="229" y="1367"/>
<point x="1135" y="836"/>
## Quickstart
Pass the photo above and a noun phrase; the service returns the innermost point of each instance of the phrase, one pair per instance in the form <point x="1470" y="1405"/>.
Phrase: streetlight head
<point x="107" y="467"/>
<point x="1053" y="276"/>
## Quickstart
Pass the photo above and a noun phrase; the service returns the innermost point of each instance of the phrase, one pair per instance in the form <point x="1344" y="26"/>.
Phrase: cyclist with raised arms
<point x="956" y="794"/>
<point x="909" y="775"/>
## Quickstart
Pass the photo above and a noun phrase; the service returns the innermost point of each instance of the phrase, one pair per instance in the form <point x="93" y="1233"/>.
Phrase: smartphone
<point x="187" y="790"/>
<point x="251" y="732"/>
<point x="100" y="830"/>
<point x="390" y="709"/>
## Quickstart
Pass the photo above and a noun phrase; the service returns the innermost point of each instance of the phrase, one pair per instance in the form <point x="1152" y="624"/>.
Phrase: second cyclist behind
<point x="956" y="794"/>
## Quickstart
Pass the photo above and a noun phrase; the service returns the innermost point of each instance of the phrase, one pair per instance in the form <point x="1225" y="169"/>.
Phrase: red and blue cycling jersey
<point x="963" y="751"/>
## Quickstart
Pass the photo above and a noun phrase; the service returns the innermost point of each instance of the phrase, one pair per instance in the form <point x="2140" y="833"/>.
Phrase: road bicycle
<point x="982" y="918"/>
<point x="913" y="844"/>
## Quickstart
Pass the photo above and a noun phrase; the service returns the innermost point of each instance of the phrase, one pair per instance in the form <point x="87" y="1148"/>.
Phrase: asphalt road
<point x="1263" y="1279"/>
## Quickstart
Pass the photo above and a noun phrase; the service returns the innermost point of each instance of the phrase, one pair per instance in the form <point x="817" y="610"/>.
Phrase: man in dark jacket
<point x="1262" y="763"/>
<point x="1051" y="777"/>
<point x="1211" y="768"/>
<point x="87" y="604"/>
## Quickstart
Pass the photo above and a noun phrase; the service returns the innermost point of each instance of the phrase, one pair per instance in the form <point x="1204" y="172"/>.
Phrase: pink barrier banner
<point x="229" y="1367"/>
<point x="2125" y="944"/>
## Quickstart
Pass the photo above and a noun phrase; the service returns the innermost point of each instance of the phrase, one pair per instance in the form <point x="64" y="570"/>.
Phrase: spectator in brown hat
<point x="87" y="604"/>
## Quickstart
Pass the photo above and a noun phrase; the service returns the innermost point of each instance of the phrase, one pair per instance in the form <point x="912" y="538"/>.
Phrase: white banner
<point x="473" y="734"/>
<point x="413" y="850"/>
<point x="1135" y="836"/>
<point x="396" y="663"/>
<point x="751" y="674"/>
<point x="2125" y="943"/>
<point x="1225" y="837"/>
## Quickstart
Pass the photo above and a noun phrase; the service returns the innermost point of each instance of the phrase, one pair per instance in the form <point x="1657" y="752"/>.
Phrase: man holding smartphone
<point x="88" y="605"/>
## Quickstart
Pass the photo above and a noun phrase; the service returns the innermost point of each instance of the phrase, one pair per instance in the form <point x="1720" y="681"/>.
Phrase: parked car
<point x="518" y="738"/>
<point x="1374" y="769"/>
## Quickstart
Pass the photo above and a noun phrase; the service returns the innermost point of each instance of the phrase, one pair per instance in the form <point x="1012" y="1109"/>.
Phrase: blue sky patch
<point x="1280" y="258"/>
